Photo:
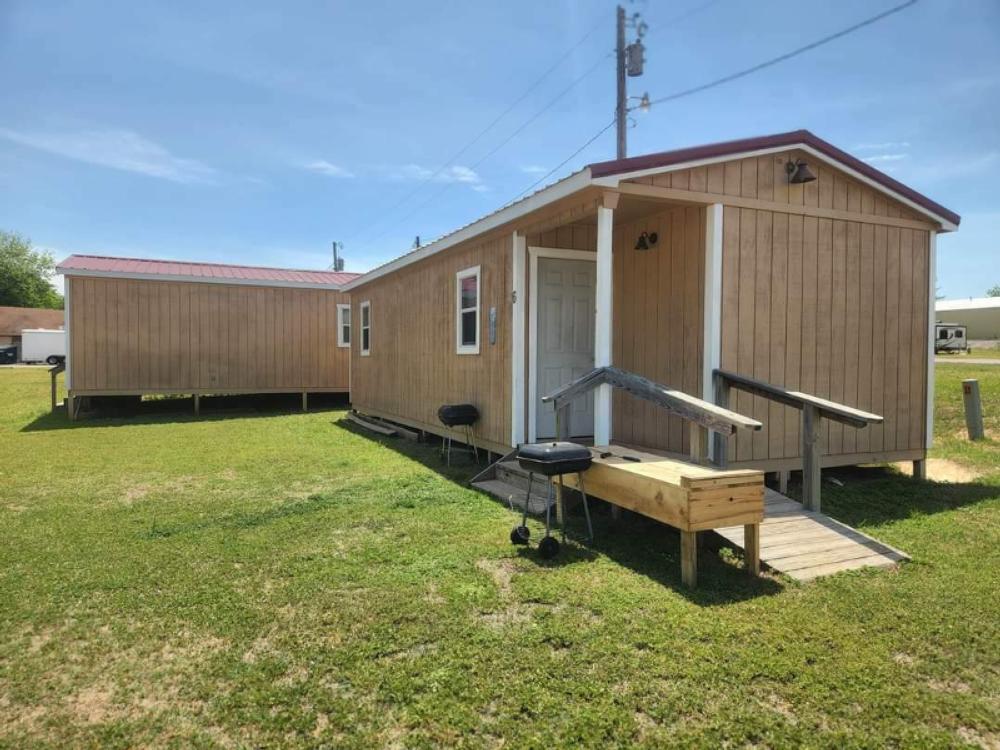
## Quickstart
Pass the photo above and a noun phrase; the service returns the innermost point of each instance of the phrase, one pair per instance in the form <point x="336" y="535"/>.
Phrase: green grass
<point x="268" y="578"/>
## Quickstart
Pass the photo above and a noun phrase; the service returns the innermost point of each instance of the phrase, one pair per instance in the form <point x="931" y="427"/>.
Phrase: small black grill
<point x="459" y="415"/>
<point x="551" y="460"/>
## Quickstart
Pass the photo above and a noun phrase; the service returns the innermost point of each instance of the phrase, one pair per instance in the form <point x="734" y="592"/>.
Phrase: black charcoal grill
<point x="551" y="460"/>
<point x="459" y="415"/>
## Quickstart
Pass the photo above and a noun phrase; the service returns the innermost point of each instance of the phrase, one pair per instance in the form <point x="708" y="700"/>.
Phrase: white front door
<point x="565" y="340"/>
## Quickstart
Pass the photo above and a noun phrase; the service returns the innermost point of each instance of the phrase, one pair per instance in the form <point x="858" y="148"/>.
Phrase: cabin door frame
<point x="534" y="253"/>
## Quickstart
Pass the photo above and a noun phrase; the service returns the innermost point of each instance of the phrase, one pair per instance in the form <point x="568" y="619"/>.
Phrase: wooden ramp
<point x="804" y="544"/>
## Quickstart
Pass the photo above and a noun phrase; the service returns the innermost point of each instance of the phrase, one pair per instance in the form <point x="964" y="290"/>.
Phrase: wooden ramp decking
<point x="805" y="545"/>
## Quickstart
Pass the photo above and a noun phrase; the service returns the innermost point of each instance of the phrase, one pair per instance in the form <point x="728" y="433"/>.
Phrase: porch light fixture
<point x="798" y="172"/>
<point x="646" y="240"/>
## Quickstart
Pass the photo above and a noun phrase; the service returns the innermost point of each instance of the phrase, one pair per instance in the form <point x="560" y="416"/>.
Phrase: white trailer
<point x="43" y="345"/>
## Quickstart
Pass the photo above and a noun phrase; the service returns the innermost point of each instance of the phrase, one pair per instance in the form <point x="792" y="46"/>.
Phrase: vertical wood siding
<point x="657" y="301"/>
<point x="134" y="336"/>
<point x="413" y="368"/>
<point x="834" y="308"/>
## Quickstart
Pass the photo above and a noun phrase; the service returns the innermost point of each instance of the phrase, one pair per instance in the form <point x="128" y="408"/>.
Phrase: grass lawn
<point x="271" y="578"/>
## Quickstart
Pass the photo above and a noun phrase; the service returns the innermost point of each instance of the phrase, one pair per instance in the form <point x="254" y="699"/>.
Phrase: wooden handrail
<point x="798" y="400"/>
<point x="689" y="407"/>
<point x="813" y="410"/>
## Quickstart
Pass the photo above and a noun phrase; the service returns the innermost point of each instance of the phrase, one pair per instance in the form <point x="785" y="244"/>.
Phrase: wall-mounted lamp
<point x="798" y="172"/>
<point x="646" y="240"/>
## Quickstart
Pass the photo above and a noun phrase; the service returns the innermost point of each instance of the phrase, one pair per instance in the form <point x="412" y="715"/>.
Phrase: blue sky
<point x="257" y="132"/>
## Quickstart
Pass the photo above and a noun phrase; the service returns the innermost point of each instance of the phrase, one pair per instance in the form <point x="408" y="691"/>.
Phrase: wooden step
<point x="512" y="473"/>
<point x="510" y="494"/>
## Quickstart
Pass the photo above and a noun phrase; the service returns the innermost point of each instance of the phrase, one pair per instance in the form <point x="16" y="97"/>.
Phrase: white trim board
<point x="534" y="253"/>
<point x="519" y="267"/>
<point x="712" y="306"/>
<point x="931" y="325"/>
<point x="199" y="279"/>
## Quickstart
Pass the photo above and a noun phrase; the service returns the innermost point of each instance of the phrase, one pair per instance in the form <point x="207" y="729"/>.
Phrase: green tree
<point x="25" y="274"/>
<point x="993" y="291"/>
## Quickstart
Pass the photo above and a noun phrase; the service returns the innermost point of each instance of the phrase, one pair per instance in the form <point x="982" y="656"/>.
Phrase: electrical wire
<point x="520" y="129"/>
<point x="727" y="79"/>
<point x="496" y="120"/>
<point x="782" y="58"/>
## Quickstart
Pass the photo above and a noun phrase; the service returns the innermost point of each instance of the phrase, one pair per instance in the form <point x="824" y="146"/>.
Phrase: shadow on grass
<point x="647" y="547"/>
<point x="117" y="411"/>
<point x="879" y="495"/>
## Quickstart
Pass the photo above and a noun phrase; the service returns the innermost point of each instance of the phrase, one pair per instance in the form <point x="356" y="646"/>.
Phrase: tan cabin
<point x="143" y="327"/>
<point x="672" y="266"/>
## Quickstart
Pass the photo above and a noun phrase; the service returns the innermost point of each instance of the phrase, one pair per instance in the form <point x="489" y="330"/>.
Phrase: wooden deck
<point x="805" y="545"/>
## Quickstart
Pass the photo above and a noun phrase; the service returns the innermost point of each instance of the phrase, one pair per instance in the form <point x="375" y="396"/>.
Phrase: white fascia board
<point x="197" y="279"/>
<point x="562" y="189"/>
<point x="611" y="181"/>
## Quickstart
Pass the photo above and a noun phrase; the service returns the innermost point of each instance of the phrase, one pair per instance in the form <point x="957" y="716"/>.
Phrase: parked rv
<point x="950" y="337"/>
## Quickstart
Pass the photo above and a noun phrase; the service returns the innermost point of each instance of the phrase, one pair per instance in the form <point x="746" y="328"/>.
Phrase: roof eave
<point x="564" y="188"/>
<point x="217" y="280"/>
<point x="610" y="173"/>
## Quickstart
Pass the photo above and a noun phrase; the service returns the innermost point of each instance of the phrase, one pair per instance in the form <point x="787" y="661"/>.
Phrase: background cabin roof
<point x="220" y="273"/>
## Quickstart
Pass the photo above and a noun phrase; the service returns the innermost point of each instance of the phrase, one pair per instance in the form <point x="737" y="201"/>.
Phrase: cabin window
<point x="343" y="325"/>
<point x="467" y="311"/>
<point x="958" y="334"/>
<point x="366" y="328"/>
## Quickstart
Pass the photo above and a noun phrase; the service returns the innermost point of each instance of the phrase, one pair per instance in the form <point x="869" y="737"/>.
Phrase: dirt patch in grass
<point x="985" y="740"/>
<point x="943" y="470"/>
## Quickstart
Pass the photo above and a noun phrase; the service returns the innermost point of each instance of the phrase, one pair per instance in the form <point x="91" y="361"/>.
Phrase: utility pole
<point x="629" y="60"/>
<point x="338" y="262"/>
<point x="621" y="109"/>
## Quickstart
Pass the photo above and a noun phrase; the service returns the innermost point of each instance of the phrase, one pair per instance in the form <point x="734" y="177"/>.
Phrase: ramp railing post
<point x="721" y="442"/>
<point x="811" y="449"/>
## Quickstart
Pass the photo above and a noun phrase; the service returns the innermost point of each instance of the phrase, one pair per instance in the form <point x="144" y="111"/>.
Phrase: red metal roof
<point x="201" y="271"/>
<point x="791" y="139"/>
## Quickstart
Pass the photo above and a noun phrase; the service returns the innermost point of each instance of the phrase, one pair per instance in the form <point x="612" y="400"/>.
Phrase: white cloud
<point x="533" y="169"/>
<point x="887" y="146"/>
<point x="324" y="167"/>
<point x="454" y="174"/>
<point x="117" y="149"/>
<point x="885" y="158"/>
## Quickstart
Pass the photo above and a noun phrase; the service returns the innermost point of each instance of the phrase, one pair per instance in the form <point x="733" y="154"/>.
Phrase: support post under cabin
<point x="197" y="404"/>
<point x="811" y="448"/>
<point x="305" y="401"/>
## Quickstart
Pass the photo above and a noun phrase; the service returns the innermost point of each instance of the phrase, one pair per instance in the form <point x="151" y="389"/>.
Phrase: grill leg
<point x="527" y="500"/>
<point x="586" y="507"/>
<point x="548" y="509"/>
<point x="470" y="436"/>
<point x="447" y="461"/>
<point x="561" y="508"/>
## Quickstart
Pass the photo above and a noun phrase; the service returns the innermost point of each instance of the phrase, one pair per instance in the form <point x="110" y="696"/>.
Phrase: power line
<point x="524" y="95"/>
<point x="726" y="79"/>
<point x="444" y="188"/>
<point x="782" y="58"/>
<point x="554" y="100"/>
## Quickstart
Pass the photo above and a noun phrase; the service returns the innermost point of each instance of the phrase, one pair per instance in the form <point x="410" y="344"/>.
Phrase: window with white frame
<point x="343" y="325"/>
<point x="366" y="328"/>
<point x="467" y="311"/>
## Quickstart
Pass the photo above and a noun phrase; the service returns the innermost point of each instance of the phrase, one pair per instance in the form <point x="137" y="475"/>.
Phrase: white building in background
<point x="980" y="315"/>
